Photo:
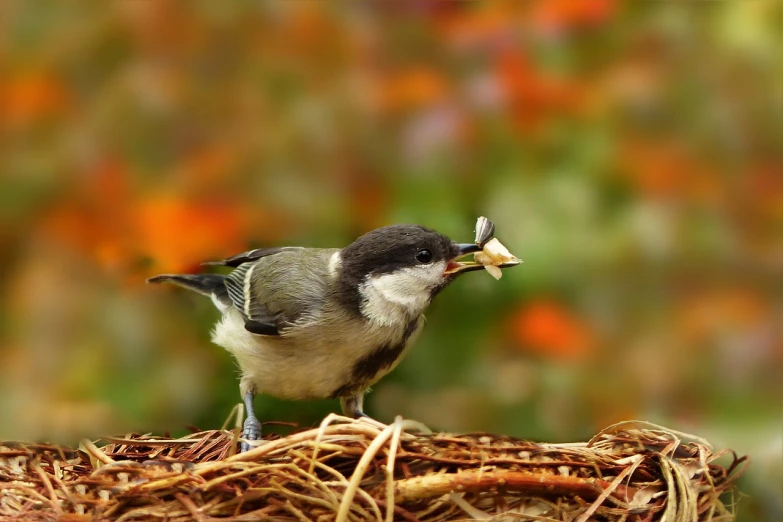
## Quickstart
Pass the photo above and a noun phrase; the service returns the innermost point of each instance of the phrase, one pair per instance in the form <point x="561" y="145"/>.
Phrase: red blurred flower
<point x="547" y="328"/>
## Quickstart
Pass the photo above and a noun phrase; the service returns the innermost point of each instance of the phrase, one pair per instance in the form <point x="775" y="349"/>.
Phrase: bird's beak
<point x="457" y="267"/>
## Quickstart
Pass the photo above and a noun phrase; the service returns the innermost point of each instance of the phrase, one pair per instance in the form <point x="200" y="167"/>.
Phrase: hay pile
<point x="363" y="471"/>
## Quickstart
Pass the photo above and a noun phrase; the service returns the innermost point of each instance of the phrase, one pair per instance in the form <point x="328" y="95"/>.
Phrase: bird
<point x="315" y="323"/>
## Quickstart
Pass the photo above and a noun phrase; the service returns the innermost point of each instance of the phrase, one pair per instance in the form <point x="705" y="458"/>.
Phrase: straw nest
<point x="363" y="471"/>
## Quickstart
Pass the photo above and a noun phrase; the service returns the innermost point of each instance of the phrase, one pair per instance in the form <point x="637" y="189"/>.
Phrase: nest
<point x="349" y="470"/>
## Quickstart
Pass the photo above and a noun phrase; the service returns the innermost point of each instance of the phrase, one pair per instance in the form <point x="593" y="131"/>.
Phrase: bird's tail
<point x="205" y="284"/>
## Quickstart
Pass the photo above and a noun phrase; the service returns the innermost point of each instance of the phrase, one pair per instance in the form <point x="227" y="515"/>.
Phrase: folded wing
<point x="274" y="287"/>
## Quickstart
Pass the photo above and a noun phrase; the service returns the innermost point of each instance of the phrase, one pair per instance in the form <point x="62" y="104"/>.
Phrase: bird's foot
<point x="251" y="431"/>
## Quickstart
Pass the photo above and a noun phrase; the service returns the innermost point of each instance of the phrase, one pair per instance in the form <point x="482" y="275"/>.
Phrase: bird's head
<point x="402" y="267"/>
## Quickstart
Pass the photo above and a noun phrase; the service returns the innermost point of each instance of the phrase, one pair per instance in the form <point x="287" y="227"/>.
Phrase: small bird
<point x="315" y="323"/>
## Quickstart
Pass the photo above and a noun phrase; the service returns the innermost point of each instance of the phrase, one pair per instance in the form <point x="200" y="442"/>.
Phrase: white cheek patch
<point x="394" y="298"/>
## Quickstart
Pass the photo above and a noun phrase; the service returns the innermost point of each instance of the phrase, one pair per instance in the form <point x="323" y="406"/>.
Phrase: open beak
<point x="465" y="249"/>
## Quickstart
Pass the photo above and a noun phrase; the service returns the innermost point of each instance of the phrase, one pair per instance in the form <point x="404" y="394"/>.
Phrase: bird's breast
<point x="313" y="360"/>
<point x="378" y="360"/>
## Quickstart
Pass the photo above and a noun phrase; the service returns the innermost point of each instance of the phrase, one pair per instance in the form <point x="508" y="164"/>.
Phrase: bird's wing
<point x="258" y="319"/>
<point x="250" y="255"/>
<point x="272" y="296"/>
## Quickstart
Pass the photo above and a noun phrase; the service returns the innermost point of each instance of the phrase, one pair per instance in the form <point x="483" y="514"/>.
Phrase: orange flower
<point x="413" y="88"/>
<point x="531" y="94"/>
<point x="116" y="227"/>
<point x="669" y="170"/>
<point x="24" y="98"/>
<point x="480" y="23"/>
<point x="545" y="327"/>
<point x="180" y="233"/>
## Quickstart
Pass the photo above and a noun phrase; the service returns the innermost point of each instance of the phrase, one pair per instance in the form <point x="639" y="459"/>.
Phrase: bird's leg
<point x="251" y="429"/>
<point x="353" y="405"/>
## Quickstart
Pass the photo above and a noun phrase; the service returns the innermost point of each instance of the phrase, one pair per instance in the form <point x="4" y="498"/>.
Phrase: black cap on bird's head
<point x="414" y="249"/>
<point x="386" y="249"/>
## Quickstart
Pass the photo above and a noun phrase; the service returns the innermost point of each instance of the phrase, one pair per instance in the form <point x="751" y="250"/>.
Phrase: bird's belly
<point x="308" y="364"/>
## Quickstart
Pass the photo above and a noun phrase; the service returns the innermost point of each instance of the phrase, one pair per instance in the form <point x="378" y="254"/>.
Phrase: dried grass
<point x="363" y="471"/>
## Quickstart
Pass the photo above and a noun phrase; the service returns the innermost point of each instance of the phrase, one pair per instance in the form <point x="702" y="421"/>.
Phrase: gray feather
<point x="249" y="256"/>
<point x="280" y="289"/>
<point x="257" y="318"/>
<point x="205" y="284"/>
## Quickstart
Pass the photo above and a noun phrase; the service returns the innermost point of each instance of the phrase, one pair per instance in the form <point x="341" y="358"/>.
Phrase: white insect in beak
<point x="489" y="253"/>
<point x="494" y="256"/>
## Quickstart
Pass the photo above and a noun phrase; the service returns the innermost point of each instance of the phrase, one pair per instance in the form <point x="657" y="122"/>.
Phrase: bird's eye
<point x="424" y="256"/>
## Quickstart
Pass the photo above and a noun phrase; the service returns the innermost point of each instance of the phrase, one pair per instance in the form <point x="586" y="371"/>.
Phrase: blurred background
<point x="629" y="154"/>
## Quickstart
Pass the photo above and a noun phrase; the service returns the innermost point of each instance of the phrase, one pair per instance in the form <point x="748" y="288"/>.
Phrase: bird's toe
<point x="251" y="431"/>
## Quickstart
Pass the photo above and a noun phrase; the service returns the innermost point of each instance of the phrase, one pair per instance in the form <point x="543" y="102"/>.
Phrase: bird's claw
<point x="251" y="431"/>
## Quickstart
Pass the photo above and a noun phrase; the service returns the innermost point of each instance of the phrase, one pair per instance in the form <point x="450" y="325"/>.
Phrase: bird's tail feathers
<point x="205" y="284"/>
